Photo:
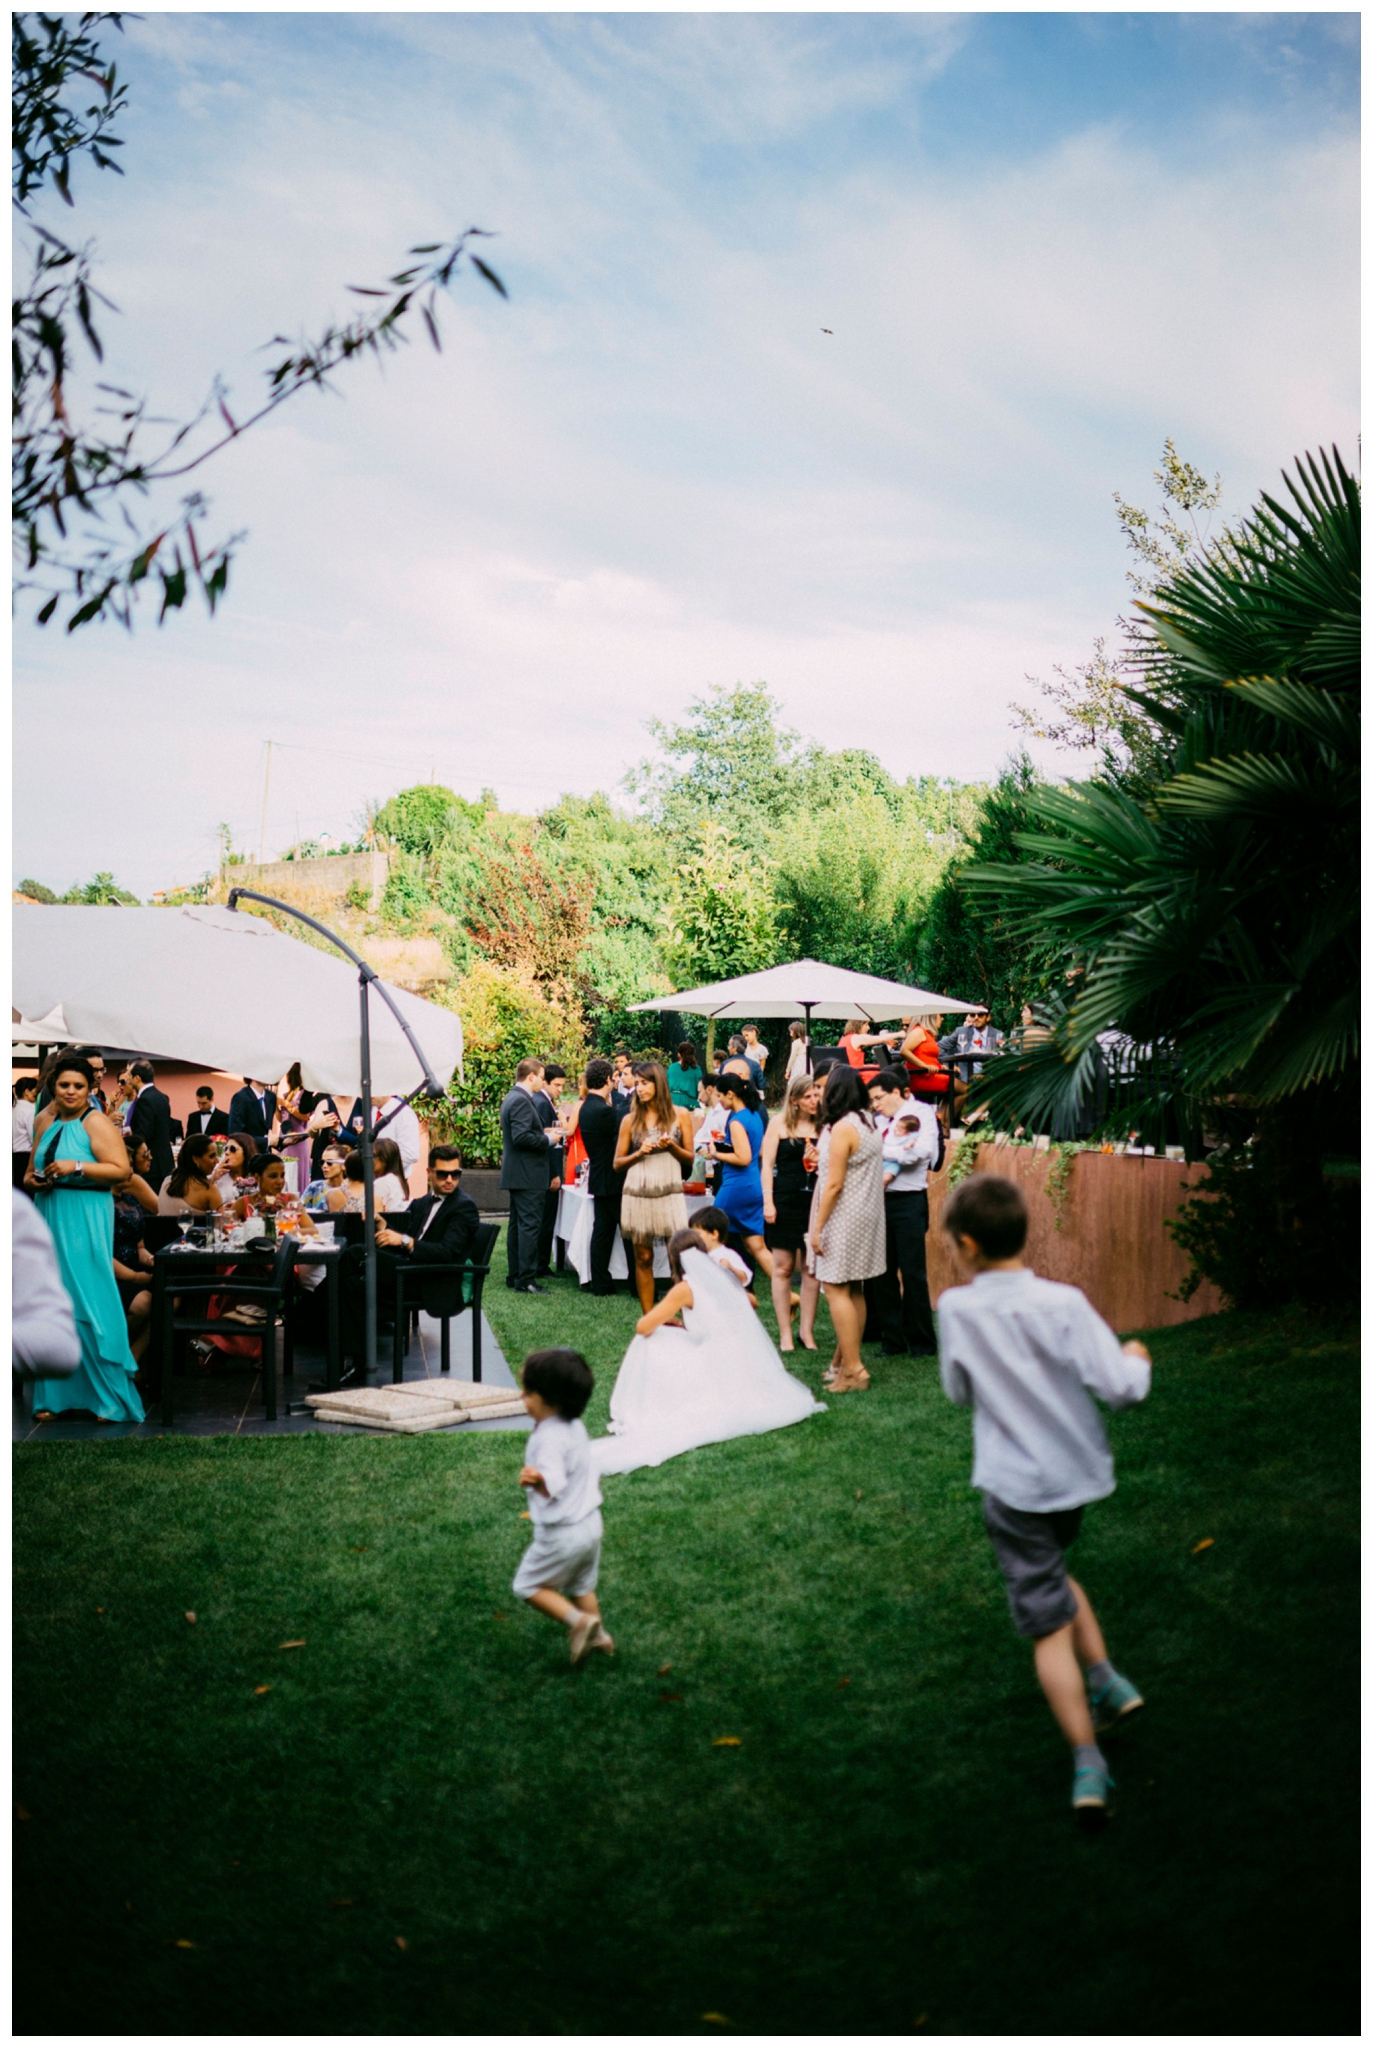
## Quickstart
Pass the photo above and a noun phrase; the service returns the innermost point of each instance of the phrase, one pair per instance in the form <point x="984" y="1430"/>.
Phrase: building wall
<point x="1113" y="1244"/>
<point x="326" y="880"/>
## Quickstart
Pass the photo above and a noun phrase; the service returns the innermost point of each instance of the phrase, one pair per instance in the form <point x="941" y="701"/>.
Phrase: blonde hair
<point x="791" y="1108"/>
<point x="858" y="1024"/>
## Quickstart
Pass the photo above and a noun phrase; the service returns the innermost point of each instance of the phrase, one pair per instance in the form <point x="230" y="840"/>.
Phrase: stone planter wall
<point x="1112" y="1245"/>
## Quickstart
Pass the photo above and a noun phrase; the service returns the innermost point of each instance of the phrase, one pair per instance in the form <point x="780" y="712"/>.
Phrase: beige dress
<point x="652" y="1205"/>
<point x="856" y="1234"/>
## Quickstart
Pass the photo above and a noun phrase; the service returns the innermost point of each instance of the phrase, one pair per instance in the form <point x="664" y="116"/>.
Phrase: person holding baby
<point x="900" y="1297"/>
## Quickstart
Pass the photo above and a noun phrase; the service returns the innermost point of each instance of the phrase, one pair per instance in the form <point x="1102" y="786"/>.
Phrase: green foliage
<point x="969" y="946"/>
<point x="406" y="898"/>
<point x="101" y="888"/>
<point x="505" y="1019"/>
<point x="729" y="763"/>
<point x="39" y="891"/>
<point x="718" y="920"/>
<point x="424" y="819"/>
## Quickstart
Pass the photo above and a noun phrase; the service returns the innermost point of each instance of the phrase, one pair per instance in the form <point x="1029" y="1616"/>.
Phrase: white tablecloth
<point x="576" y="1214"/>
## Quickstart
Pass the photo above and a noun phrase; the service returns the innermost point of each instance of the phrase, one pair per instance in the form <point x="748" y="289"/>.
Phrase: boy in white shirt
<point x="558" y="1572"/>
<point x="1027" y="1355"/>
<point x="714" y="1226"/>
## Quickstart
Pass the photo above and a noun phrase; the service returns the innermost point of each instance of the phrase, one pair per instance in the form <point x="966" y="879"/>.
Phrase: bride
<point x="716" y="1377"/>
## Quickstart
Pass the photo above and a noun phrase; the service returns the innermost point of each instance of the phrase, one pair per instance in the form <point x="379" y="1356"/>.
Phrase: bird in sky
<point x="827" y="330"/>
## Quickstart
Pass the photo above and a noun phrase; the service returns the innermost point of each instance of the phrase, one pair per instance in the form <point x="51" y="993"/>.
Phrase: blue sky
<point x="1042" y="242"/>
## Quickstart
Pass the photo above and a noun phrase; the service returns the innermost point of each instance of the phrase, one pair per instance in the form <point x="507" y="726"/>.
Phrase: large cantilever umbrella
<point x="809" y="988"/>
<point x="218" y="988"/>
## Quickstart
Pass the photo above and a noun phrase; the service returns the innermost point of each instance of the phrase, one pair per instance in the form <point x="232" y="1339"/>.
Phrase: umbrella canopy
<point x="218" y="988"/>
<point x="31" y="1033"/>
<point x="808" y="988"/>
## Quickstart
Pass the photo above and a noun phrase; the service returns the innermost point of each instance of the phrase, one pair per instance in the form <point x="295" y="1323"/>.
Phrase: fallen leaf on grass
<point x="859" y="1494"/>
<point x="401" y="1942"/>
<point x="357" y="1546"/>
<point x="100" y="1610"/>
<point x="843" y="1681"/>
<point x="717" y="2018"/>
<point x="189" y="1615"/>
<point x="182" y="1943"/>
<point x="728" y="1742"/>
<point x="297" y="1643"/>
<point x="526" y="1516"/>
<point x="663" y="1670"/>
<point x="500" y="1617"/>
<point x="922" y="2019"/>
<point x="340" y="1902"/>
<point x="1205" y="1544"/>
<point x="128" y="1905"/>
<point x="262" y="1688"/>
<point x="22" y="1813"/>
<point x="671" y="1698"/>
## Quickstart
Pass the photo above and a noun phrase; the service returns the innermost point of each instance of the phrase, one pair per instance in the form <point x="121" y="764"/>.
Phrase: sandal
<point x="850" y="1383"/>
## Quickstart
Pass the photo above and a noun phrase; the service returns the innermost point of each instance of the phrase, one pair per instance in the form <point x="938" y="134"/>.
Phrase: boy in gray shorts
<point x="1027" y="1355"/>
<point x="558" y="1572"/>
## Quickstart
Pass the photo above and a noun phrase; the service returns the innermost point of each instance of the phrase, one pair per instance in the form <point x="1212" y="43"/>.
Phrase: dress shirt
<point x="1027" y="1355"/>
<point x="404" y="1129"/>
<point x="912" y="1155"/>
<point x="43" y="1334"/>
<point x="21" y="1126"/>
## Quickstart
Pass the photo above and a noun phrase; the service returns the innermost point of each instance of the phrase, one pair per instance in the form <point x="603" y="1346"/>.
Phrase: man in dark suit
<point x="252" y="1110"/>
<point x="205" y="1117"/>
<point x="554" y="1078"/>
<point x="525" y="1174"/>
<point x="152" y="1122"/>
<point x="438" y="1229"/>
<point x="599" y="1123"/>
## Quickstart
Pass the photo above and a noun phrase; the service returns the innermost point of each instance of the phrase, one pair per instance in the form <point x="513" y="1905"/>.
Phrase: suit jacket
<point x="962" y="1041"/>
<point x="152" y="1122"/>
<point x="447" y="1242"/>
<point x="548" y="1117"/>
<point x="599" y="1124"/>
<point x="526" y="1155"/>
<point x="214" y="1121"/>
<point x="245" y="1114"/>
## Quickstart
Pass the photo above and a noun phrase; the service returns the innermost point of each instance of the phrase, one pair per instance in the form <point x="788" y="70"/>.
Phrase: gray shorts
<point x="1029" y="1549"/>
<point x="564" y="1555"/>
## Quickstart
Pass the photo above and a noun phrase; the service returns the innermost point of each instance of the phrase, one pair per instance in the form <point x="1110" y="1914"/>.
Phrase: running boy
<point x="559" y="1570"/>
<point x="1026" y="1355"/>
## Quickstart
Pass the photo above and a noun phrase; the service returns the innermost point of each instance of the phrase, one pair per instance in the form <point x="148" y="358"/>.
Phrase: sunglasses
<point x="447" y="1172"/>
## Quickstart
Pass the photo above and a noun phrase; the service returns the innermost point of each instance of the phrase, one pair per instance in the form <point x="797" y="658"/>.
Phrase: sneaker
<point x="601" y="1640"/>
<point x="580" y="1634"/>
<point x="1110" y="1708"/>
<point x="1091" y="1788"/>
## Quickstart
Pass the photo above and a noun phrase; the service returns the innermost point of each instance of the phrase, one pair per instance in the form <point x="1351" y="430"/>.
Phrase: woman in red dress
<point x="920" y="1055"/>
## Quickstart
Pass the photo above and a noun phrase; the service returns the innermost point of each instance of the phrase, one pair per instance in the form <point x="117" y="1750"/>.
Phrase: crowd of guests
<point x="827" y="1194"/>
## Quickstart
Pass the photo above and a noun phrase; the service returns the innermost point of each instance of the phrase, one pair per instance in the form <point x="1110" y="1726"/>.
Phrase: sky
<point x="1041" y="244"/>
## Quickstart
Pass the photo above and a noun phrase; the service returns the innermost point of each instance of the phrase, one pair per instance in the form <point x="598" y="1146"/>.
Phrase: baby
<point x="895" y="1145"/>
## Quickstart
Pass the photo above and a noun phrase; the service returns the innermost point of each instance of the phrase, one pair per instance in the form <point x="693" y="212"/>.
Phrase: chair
<point x="473" y="1274"/>
<point x="271" y="1293"/>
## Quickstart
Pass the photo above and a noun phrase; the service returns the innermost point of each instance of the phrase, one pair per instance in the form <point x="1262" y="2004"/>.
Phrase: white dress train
<point x="719" y="1377"/>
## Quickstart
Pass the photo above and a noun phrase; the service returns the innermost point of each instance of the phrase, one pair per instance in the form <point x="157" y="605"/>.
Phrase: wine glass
<point x="183" y="1224"/>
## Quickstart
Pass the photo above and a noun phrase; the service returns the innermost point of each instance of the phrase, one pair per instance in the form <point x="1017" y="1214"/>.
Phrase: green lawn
<point x="888" y="1847"/>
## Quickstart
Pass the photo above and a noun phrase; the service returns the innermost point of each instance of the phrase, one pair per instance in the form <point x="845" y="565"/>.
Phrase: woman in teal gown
<point x="78" y="1155"/>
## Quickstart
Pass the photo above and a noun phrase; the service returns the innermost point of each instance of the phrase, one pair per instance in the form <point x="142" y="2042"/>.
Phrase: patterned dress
<point x="856" y="1234"/>
<point x="653" y="1206"/>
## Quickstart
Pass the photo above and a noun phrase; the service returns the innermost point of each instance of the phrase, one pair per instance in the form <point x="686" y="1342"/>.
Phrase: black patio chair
<point x="412" y="1280"/>
<point x="271" y="1293"/>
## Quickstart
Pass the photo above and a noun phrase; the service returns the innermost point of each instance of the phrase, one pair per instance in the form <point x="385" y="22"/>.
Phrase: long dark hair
<point x="682" y="1241"/>
<point x="187" y="1167"/>
<point x="686" y="1054"/>
<point x="740" y="1085"/>
<point x="661" y="1112"/>
<point x="844" y="1096"/>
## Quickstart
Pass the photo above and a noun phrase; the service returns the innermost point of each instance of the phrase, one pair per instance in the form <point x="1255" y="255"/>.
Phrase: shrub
<point x="505" y="1019"/>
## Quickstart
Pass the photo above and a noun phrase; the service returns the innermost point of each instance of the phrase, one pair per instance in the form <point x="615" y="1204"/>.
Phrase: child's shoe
<point x="1110" y="1707"/>
<point x="580" y="1635"/>
<point x="1091" y="1789"/>
<point x="601" y="1639"/>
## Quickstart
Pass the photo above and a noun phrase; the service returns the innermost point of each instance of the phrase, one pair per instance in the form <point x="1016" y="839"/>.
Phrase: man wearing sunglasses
<point x="438" y="1229"/>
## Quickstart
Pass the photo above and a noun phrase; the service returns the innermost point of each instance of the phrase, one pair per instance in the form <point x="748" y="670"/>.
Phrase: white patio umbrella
<point x="809" y="988"/>
<point x="27" y="1034"/>
<point x="218" y="988"/>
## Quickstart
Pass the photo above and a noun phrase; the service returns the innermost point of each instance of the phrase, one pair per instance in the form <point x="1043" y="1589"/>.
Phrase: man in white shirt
<point x="899" y="1300"/>
<point x="403" y="1129"/>
<point x="1027" y="1355"/>
<point x="21" y="1125"/>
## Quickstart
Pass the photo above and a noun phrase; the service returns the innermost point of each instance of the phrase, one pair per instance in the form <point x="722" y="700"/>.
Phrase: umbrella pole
<point x="369" y="1230"/>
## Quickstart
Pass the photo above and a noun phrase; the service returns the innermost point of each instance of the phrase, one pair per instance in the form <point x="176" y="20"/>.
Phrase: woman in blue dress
<point x="740" y="1154"/>
<point x="78" y="1157"/>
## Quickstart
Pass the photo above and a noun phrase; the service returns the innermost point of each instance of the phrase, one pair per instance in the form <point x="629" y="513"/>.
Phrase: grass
<point x="887" y="1849"/>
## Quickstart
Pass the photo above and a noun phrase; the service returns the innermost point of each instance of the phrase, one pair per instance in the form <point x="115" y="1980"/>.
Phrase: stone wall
<point x="308" y="883"/>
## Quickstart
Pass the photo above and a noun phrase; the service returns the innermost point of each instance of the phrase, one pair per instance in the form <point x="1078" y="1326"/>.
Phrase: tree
<point x="505" y="1019"/>
<point x="63" y="472"/>
<point x="39" y="891"/>
<point x="1216" y="923"/>
<point x="729" y="763"/>
<point x="718" y="920"/>
<point x="967" y="945"/>
<point x="425" y="818"/>
<point x="852" y="882"/>
<point x="101" y="888"/>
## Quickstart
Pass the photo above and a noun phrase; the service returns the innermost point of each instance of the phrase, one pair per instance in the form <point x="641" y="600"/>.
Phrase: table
<point x="576" y="1213"/>
<point x="201" y="1260"/>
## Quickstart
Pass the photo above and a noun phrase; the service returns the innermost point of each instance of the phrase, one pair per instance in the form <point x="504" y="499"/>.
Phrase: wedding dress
<point x="719" y="1377"/>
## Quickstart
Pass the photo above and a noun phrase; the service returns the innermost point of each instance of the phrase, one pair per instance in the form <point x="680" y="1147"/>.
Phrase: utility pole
<point x="262" y="830"/>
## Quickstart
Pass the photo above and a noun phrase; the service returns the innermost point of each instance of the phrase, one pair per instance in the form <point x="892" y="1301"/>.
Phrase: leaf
<point x="47" y="611"/>
<point x="357" y="1546"/>
<point x="671" y="1698"/>
<point x="100" y="1610"/>
<point x="189" y="1615"/>
<point x="296" y="1643"/>
<point x="500" y="1617"/>
<point x="490" y="276"/>
<point x="340" y="1902"/>
<point x="22" y="1813"/>
<point x="401" y="1942"/>
<point x="843" y="1681"/>
<point x="181" y="1942"/>
<point x="1205" y="1544"/>
<point x="859" y="1494"/>
<point x="262" y="1688"/>
<point x="728" y="1742"/>
<point x="717" y="2018"/>
<point x="524" y="1517"/>
<point x="663" y="1670"/>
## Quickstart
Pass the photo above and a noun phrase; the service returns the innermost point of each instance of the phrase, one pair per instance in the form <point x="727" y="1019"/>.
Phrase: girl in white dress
<point x="716" y="1377"/>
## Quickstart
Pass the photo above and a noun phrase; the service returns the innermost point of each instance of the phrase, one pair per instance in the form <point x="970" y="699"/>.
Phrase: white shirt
<point x="796" y="1059"/>
<point x="1027" y="1355"/>
<point x="725" y="1256"/>
<point x="404" y="1129"/>
<point x="561" y="1451"/>
<point x="912" y="1153"/>
<point x="387" y="1195"/>
<point x="43" y="1337"/>
<point x="21" y="1125"/>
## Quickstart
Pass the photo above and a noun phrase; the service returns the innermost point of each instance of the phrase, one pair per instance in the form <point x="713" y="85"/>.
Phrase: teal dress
<point x="82" y="1224"/>
<point x="684" y="1085"/>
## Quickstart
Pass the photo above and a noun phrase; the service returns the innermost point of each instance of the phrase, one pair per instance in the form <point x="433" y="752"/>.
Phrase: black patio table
<point x="199" y="1260"/>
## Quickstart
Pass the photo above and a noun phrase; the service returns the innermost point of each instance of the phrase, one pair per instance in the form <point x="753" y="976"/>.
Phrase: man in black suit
<point x="152" y="1122"/>
<point x="525" y="1174"/>
<point x="438" y="1229"/>
<point x="599" y="1124"/>
<point x="546" y="1104"/>
<point x="205" y="1117"/>
<point x="252" y="1110"/>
